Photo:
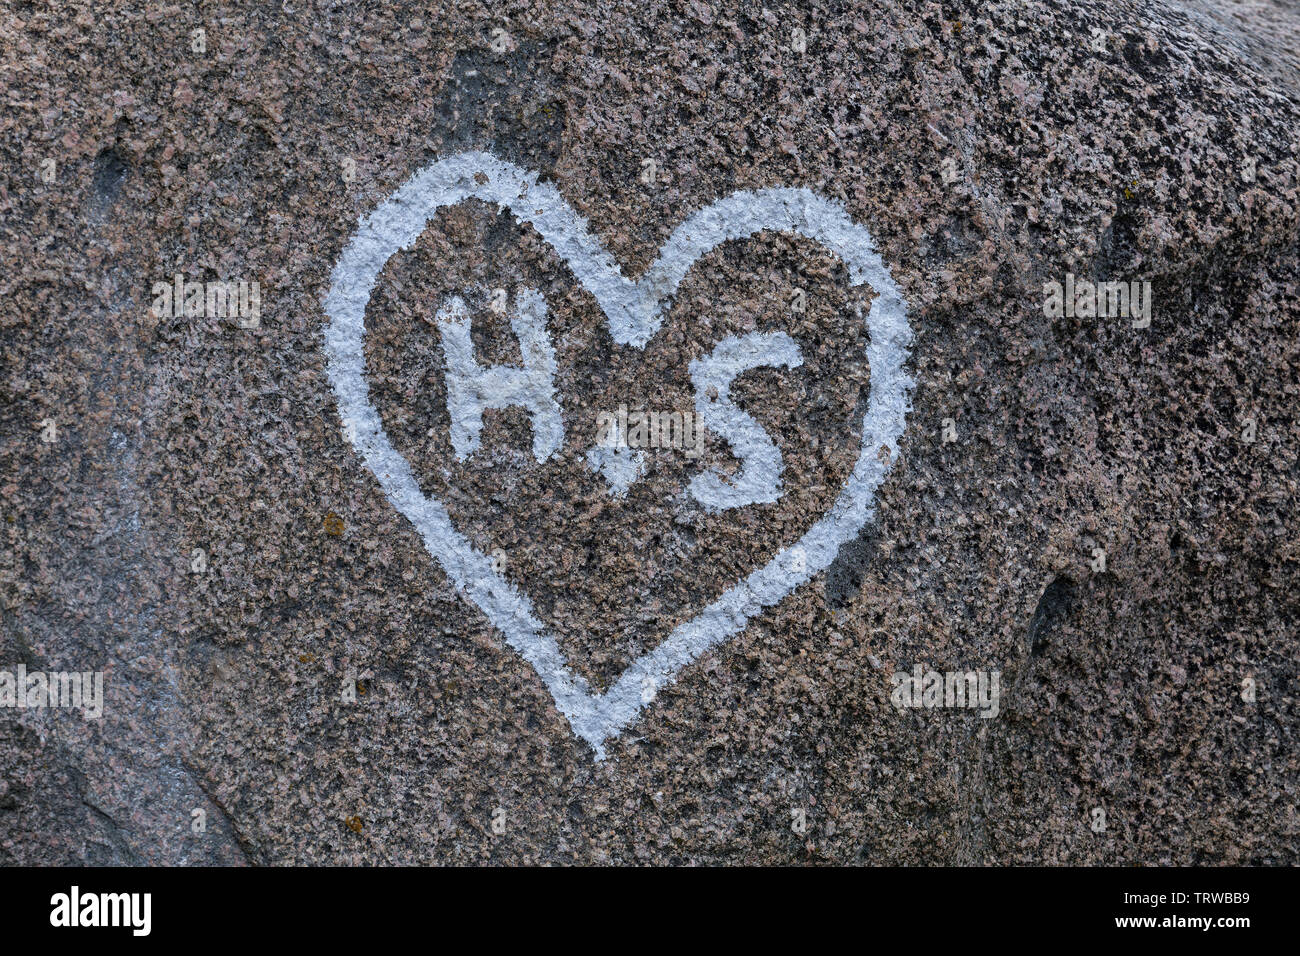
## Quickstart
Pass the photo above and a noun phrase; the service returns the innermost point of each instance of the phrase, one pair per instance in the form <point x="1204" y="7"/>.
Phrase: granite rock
<point x="1100" y="510"/>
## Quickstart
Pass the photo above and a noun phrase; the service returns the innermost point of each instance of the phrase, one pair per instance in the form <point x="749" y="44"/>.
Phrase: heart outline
<point x="633" y="309"/>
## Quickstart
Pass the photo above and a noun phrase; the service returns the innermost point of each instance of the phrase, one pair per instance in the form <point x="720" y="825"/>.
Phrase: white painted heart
<point x="633" y="310"/>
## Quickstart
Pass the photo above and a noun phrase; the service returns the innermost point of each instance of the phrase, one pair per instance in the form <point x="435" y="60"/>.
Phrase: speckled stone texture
<point x="989" y="147"/>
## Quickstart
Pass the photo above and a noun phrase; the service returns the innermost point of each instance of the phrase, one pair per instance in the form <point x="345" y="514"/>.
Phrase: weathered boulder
<point x="1096" y="509"/>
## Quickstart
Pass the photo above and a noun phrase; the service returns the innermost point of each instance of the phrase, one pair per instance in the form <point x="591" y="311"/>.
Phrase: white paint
<point x="622" y="467"/>
<point x="759" y="478"/>
<point x="634" y="311"/>
<point x="472" y="388"/>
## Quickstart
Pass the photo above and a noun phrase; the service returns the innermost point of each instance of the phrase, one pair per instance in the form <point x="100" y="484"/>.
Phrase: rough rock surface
<point x="989" y="147"/>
